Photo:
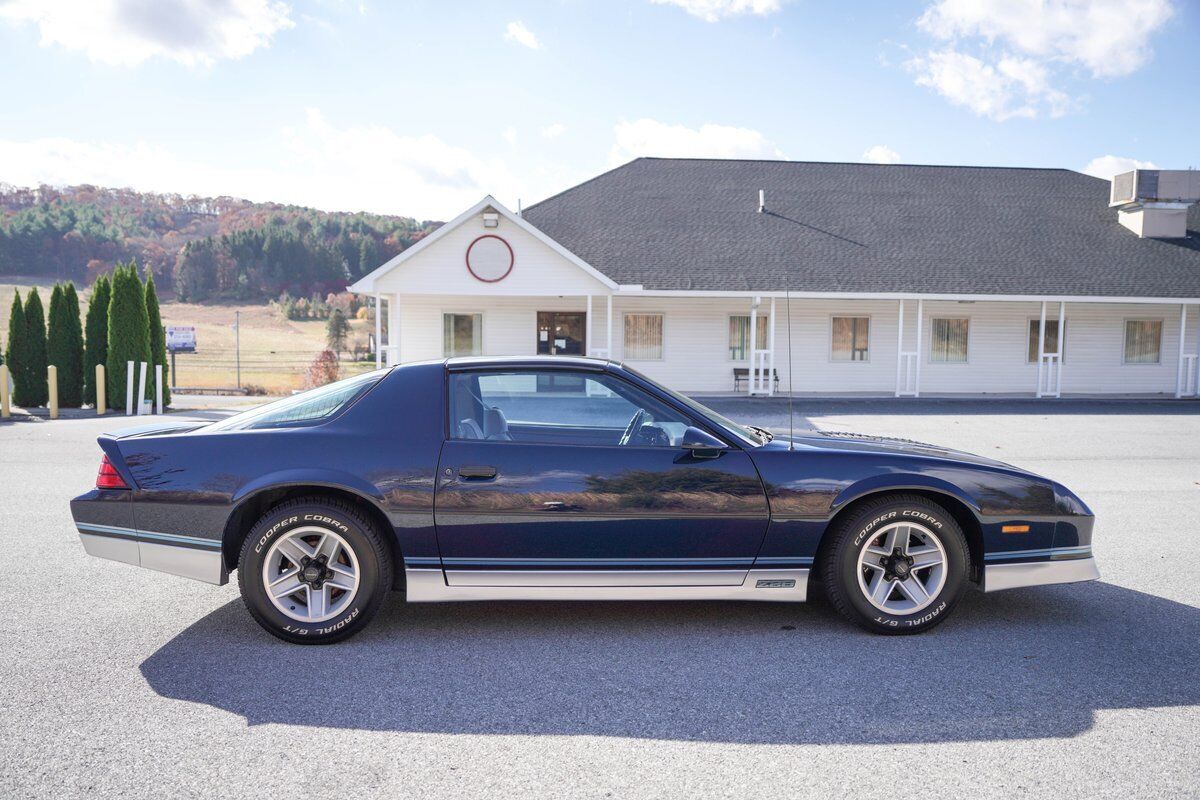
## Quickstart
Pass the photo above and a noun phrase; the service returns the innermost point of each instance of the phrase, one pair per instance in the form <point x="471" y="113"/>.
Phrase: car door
<point x="535" y="488"/>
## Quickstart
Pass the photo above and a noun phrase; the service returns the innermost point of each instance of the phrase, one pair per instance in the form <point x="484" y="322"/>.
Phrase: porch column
<point x="1194" y="385"/>
<point x="1058" y="346"/>
<point x="378" y="332"/>
<point x="609" y="354"/>
<point x="394" y="329"/>
<point x="917" y="354"/>
<point x="1041" y="349"/>
<point x="587" y="327"/>
<point x="1050" y="364"/>
<point x="753" y="346"/>
<point x="900" y="349"/>
<point x="1187" y="379"/>
<point x="771" y="347"/>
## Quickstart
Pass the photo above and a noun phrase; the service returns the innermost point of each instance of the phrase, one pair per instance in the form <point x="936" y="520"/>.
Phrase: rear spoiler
<point x="153" y="428"/>
<point x="108" y="443"/>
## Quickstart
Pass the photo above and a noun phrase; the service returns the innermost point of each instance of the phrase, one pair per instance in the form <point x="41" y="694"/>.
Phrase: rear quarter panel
<point x="384" y="449"/>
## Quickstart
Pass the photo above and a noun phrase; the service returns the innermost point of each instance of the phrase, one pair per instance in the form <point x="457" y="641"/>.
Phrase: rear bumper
<point x="997" y="577"/>
<point x="105" y="522"/>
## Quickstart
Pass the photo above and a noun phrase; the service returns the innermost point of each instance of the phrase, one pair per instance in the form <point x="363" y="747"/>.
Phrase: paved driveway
<point x="114" y="679"/>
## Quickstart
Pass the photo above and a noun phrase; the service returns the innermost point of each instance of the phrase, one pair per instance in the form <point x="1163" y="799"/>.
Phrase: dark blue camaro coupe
<point x="563" y="479"/>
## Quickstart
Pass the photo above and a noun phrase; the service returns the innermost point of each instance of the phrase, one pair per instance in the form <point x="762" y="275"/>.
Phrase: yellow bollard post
<point x="52" y="378"/>
<point x="101" y="406"/>
<point x="5" y="413"/>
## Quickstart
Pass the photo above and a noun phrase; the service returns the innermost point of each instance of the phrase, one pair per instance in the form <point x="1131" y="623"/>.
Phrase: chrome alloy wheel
<point x="311" y="574"/>
<point x="902" y="568"/>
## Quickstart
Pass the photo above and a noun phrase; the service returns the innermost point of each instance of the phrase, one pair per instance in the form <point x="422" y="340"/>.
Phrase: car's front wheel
<point x="314" y="571"/>
<point x="896" y="564"/>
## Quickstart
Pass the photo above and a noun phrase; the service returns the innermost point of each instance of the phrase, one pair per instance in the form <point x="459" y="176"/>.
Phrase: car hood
<point x="866" y="443"/>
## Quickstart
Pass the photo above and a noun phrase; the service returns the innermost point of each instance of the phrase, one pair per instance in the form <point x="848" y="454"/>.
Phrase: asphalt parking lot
<point x="118" y="680"/>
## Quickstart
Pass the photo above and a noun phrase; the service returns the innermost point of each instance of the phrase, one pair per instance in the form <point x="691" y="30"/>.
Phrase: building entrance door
<point x="561" y="333"/>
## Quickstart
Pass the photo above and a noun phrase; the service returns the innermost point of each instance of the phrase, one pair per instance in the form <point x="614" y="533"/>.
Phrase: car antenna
<point x="787" y="301"/>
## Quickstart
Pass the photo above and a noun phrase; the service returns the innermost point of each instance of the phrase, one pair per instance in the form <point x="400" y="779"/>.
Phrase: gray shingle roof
<point x="692" y="224"/>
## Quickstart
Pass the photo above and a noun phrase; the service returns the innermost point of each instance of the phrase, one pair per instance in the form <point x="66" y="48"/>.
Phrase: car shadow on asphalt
<point x="1021" y="664"/>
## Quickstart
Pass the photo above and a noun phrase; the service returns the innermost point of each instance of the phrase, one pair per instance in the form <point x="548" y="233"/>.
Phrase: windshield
<point x="306" y="408"/>
<point x="742" y="433"/>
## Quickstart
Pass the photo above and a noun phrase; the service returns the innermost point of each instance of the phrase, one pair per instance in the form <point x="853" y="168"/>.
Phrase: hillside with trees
<point x="198" y="248"/>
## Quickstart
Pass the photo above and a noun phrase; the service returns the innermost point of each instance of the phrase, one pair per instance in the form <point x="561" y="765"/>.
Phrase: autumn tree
<point x="324" y="369"/>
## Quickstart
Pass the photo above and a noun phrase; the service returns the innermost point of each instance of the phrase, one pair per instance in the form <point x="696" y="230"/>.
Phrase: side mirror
<point x="701" y="444"/>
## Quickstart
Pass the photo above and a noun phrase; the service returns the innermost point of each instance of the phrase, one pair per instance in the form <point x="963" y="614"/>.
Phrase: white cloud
<point x="1002" y="58"/>
<point x="1109" y="37"/>
<point x="129" y="32"/>
<point x="316" y="164"/>
<point x="554" y="131"/>
<point x="881" y="154"/>
<point x="517" y="32"/>
<point x="510" y="135"/>
<point x="648" y="137"/>
<point x="1108" y="166"/>
<point x="715" y="10"/>
<point x="1011" y="87"/>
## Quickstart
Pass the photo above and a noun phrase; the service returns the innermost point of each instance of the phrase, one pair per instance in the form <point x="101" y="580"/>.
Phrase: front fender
<point x="900" y="481"/>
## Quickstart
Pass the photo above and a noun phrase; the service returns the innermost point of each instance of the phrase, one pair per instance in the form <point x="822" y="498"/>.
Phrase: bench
<point x="743" y="374"/>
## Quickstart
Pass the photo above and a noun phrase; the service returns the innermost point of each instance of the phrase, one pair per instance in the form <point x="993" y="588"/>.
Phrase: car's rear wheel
<point x="314" y="571"/>
<point x="896" y="565"/>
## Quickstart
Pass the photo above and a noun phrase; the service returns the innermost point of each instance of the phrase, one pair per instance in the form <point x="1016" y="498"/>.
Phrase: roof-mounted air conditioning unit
<point x="1154" y="202"/>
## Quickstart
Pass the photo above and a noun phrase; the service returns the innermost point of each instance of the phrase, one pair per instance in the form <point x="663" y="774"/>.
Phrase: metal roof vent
<point x="1153" y="202"/>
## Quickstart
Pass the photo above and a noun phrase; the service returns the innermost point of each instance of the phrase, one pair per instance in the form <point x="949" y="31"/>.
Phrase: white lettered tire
<point x="896" y="564"/>
<point x="314" y="571"/>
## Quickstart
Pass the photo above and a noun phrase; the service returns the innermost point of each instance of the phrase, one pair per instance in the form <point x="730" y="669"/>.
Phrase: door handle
<point x="477" y="472"/>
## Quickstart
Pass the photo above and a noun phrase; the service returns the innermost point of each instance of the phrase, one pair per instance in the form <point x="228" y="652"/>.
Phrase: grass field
<point x="275" y="352"/>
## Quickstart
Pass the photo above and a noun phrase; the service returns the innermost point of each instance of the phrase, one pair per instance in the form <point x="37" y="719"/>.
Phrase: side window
<point x="559" y="407"/>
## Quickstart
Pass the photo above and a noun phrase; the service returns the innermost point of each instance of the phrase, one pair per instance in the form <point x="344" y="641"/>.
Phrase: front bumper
<point x="1039" y="573"/>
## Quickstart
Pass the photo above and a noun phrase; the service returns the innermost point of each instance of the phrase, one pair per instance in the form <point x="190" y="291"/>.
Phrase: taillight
<point x="108" y="477"/>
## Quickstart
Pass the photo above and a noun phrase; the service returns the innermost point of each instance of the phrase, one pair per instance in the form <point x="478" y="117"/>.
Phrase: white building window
<point x="739" y="336"/>
<point x="462" y="335"/>
<point x="1143" y="341"/>
<point x="643" y="337"/>
<point x="948" y="344"/>
<point x="1051" y="344"/>
<point x="850" y="339"/>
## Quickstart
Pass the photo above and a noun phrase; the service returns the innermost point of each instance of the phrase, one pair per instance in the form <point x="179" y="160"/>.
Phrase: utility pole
<point x="237" y="344"/>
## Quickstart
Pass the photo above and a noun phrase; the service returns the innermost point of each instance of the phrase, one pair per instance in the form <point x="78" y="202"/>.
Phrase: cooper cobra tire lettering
<point x="266" y="537"/>
<point x="872" y="525"/>
<point x="326" y="520"/>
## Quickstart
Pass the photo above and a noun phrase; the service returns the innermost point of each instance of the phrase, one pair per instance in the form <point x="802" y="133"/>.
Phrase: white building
<point x="900" y="279"/>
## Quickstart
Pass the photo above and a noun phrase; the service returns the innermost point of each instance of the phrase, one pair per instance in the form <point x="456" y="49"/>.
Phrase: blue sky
<point x="421" y="108"/>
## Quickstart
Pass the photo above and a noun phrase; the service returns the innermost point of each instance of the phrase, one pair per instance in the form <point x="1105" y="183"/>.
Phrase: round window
<point x="489" y="258"/>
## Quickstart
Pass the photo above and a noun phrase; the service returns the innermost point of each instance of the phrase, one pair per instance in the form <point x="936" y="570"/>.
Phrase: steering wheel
<point x="633" y="425"/>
